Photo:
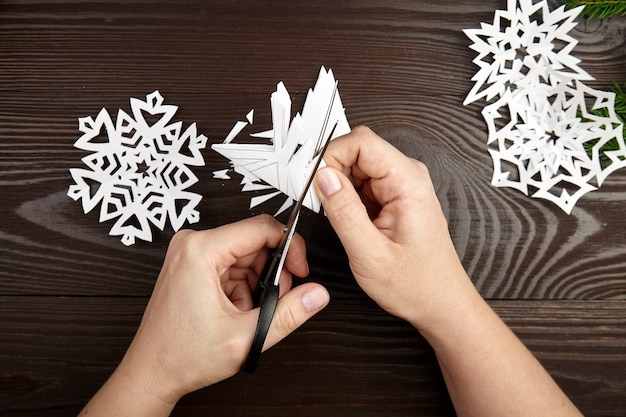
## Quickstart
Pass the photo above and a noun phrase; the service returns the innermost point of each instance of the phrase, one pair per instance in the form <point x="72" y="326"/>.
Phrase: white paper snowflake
<point x="138" y="168"/>
<point x="283" y="162"/>
<point x="541" y="115"/>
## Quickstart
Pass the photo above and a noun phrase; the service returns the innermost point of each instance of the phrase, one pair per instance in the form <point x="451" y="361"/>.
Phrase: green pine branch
<point x="601" y="9"/>
<point x="620" y="101"/>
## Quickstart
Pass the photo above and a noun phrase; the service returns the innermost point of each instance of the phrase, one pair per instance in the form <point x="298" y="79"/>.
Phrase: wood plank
<point x="65" y="60"/>
<point x="351" y="359"/>
<point x="71" y="296"/>
<point x="513" y="246"/>
<point x="223" y="45"/>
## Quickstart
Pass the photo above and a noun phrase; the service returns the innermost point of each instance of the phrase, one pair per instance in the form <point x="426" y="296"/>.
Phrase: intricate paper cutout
<point x="138" y="168"/>
<point x="286" y="162"/>
<point x="540" y="115"/>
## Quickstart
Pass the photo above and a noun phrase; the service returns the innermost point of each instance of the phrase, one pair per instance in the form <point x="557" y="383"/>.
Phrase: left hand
<point x="199" y="323"/>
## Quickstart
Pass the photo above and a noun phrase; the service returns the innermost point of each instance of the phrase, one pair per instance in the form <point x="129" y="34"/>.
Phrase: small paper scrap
<point x="281" y="164"/>
<point x="138" y="168"/>
<point x="540" y="115"/>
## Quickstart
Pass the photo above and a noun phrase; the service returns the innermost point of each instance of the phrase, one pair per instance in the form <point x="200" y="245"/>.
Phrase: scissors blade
<point x="290" y="228"/>
<point x="271" y="273"/>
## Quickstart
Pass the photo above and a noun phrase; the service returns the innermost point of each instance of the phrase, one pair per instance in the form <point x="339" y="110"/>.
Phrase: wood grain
<point x="71" y="295"/>
<point x="512" y="246"/>
<point x="352" y="359"/>
<point x="221" y="46"/>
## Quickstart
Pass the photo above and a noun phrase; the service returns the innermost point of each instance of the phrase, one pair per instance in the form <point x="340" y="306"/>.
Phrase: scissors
<point x="268" y="282"/>
<point x="271" y="275"/>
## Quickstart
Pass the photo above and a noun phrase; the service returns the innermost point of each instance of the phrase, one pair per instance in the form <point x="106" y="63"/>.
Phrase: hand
<point x="199" y="323"/>
<point x="385" y="211"/>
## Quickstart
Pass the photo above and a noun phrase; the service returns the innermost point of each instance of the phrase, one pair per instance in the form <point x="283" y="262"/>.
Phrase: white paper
<point x="221" y="174"/>
<point x="285" y="163"/>
<point x="140" y="175"/>
<point x="537" y="113"/>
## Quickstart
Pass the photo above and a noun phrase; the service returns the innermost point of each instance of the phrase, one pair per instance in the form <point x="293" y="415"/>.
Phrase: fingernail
<point x="328" y="181"/>
<point x="315" y="299"/>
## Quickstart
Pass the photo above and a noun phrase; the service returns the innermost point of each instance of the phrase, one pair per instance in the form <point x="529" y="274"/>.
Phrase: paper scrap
<point x="540" y="114"/>
<point x="283" y="161"/>
<point x="138" y="168"/>
<point x="221" y="174"/>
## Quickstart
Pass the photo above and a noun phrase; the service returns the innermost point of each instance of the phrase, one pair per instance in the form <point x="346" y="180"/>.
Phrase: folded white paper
<point x="284" y="160"/>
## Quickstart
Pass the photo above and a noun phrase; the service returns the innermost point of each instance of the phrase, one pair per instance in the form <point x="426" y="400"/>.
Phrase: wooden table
<point x="71" y="296"/>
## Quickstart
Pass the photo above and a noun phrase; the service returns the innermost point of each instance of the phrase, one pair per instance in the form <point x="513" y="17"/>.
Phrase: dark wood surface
<point x="71" y="296"/>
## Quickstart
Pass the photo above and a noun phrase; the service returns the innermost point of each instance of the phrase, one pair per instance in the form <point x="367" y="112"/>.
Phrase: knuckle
<point x="180" y="240"/>
<point x="287" y="321"/>
<point x="362" y="130"/>
<point x="422" y="183"/>
<point x="345" y="211"/>
<point x="265" y="219"/>
<point x="182" y="246"/>
<point x="421" y="170"/>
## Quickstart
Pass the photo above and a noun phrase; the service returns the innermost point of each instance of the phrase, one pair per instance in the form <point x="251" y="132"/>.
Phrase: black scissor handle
<point x="268" y="301"/>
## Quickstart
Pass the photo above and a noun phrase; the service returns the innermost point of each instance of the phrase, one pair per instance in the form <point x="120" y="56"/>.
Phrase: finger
<point x="379" y="171"/>
<point x="346" y="212"/>
<point x="362" y="154"/>
<point x="238" y="292"/>
<point x="245" y="237"/>
<point x="251" y="266"/>
<point x="240" y="241"/>
<point x="284" y="282"/>
<point x="296" y="261"/>
<point x="294" y="309"/>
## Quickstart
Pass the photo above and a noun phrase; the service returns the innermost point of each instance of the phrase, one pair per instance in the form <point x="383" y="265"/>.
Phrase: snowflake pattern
<point x="138" y="168"/>
<point x="540" y="114"/>
<point x="283" y="166"/>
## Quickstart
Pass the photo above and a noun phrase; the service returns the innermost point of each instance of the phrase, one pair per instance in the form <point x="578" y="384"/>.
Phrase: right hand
<point x="384" y="209"/>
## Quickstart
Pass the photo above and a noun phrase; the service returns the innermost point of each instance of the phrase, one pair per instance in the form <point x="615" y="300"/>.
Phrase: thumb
<point x="345" y="210"/>
<point x="294" y="309"/>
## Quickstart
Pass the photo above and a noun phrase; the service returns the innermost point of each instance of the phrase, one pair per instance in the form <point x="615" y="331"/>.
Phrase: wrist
<point x="144" y="379"/>
<point x="126" y="394"/>
<point x="460" y="318"/>
<point x="457" y="304"/>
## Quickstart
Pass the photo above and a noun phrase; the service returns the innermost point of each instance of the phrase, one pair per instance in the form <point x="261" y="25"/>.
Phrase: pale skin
<point x="199" y="323"/>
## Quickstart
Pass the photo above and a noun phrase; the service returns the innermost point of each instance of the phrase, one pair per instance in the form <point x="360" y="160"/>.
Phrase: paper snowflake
<point x="541" y="115"/>
<point x="283" y="162"/>
<point x="138" y="168"/>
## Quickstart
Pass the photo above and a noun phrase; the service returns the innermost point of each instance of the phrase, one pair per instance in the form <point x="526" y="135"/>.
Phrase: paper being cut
<point x="138" y="168"/>
<point x="540" y="115"/>
<point x="280" y="164"/>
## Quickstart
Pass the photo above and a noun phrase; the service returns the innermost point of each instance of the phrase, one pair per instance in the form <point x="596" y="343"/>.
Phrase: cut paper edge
<point x="140" y="174"/>
<point x="536" y="113"/>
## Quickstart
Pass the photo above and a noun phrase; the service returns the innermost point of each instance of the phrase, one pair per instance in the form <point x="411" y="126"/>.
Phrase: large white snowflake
<point x="541" y="115"/>
<point x="138" y="168"/>
<point x="284" y="161"/>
